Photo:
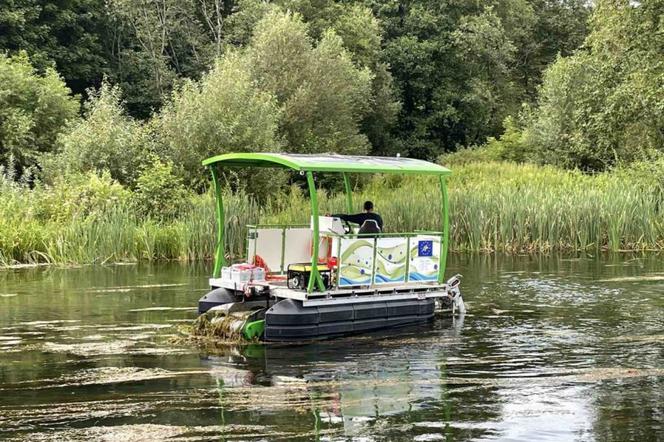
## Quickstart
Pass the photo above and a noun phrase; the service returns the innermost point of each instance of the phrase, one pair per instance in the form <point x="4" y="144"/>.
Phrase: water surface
<point x="551" y="349"/>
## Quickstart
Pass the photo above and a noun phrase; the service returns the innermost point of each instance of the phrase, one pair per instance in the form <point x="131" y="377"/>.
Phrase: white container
<point x="226" y="273"/>
<point x="240" y="275"/>
<point x="258" y="274"/>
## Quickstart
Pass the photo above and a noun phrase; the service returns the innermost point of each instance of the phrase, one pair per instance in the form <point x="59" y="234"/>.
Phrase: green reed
<point x="493" y="206"/>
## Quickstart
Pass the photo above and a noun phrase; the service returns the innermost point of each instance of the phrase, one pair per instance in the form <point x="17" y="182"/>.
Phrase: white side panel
<point x="391" y="260"/>
<point x="298" y="246"/>
<point x="268" y="247"/>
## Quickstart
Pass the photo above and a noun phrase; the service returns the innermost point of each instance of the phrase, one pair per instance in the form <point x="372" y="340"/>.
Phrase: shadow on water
<point x="551" y="349"/>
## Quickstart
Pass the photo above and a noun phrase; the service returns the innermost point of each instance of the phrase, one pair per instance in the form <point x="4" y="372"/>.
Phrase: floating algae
<point x="635" y="278"/>
<point x="216" y="325"/>
<point x="106" y="376"/>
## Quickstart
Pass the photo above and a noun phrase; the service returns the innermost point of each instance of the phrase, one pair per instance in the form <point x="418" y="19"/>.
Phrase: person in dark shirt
<point x="360" y="218"/>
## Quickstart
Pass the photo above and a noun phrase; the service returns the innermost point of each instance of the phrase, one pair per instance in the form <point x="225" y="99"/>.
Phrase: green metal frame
<point x="309" y="164"/>
<point x="446" y="231"/>
<point x="349" y="194"/>
<point x="219" y="258"/>
<point x="314" y="277"/>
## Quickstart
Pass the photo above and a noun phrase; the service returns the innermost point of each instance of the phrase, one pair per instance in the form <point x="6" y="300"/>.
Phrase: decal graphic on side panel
<point x="391" y="258"/>
<point x="424" y="258"/>
<point x="356" y="263"/>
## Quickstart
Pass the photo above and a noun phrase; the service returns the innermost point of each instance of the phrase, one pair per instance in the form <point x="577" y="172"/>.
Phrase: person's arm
<point x="380" y="222"/>
<point x="357" y="218"/>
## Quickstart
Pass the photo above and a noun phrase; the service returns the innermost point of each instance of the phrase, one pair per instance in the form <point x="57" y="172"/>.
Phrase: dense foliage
<point x="418" y="77"/>
<point x="33" y="110"/>
<point x="108" y="106"/>
<point x="605" y="104"/>
<point x="496" y="207"/>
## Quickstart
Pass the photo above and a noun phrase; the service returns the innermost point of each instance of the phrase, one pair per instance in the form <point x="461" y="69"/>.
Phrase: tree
<point x="322" y="94"/>
<point x="361" y="37"/>
<point x="33" y="110"/>
<point x="66" y="35"/>
<point x="361" y="34"/>
<point x="157" y="42"/>
<point x="555" y="27"/>
<point x="224" y="112"/>
<point x="461" y="67"/>
<point x="106" y="139"/>
<point x="604" y="106"/>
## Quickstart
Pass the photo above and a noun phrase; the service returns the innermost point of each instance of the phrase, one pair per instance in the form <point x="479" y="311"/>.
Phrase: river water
<point x="550" y="349"/>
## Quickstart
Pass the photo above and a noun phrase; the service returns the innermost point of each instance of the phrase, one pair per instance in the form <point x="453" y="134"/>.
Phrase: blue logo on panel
<point x="425" y="248"/>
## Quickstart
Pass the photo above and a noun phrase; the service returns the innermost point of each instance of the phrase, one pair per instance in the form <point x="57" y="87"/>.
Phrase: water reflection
<point x="361" y="386"/>
<point x="551" y="349"/>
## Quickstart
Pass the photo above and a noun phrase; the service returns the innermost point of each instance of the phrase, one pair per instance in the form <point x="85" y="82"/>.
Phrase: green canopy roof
<point x="329" y="163"/>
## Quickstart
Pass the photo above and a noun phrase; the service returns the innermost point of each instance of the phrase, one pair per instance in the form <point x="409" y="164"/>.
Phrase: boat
<point x="327" y="279"/>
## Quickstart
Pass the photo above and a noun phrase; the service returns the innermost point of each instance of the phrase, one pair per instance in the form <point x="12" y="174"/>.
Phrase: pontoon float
<point x="326" y="279"/>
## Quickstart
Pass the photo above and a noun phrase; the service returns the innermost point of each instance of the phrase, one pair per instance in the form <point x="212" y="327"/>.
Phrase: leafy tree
<point x="361" y="34"/>
<point x="224" y="112"/>
<point x="553" y="27"/>
<point x="323" y="95"/>
<point x="486" y="55"/>
<point x="67" y="35"/>
<point x="158" y="42"/>
<point x="461" y="67"/>
<point x="603" y="106"/>
<point x="239" y="25"/>
<point x="33" y="110"/>
<point x="361" y="37"/>
<point x="105" y="139"/>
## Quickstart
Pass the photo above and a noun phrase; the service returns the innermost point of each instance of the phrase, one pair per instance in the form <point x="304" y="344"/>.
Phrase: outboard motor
<point x="454" y="292"/>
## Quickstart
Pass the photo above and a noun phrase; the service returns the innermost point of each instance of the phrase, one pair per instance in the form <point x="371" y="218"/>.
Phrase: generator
<point x="298" y="275"/>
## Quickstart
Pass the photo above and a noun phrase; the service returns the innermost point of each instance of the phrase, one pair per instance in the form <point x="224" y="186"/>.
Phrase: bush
<point x="512" y="144"/>
<point x="159" y="192"/>
<point x="33" y="110"/>
<point x="106" y="139"/>
<point x="79" y="195"/>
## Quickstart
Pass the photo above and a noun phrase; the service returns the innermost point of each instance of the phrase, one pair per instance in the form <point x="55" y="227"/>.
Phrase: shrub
<point x="78" y="195"/>
<point x="33" y="110"/>
<point x="159" y="192"/>
<point x="106" y="139"/>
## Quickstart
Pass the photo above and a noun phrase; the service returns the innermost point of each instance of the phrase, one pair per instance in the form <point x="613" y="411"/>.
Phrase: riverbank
<point x="495" y="207"/>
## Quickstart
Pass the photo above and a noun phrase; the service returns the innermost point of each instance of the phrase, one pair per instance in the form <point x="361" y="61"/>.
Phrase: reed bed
<point x="118" y="234"/>
<point x="504" y="207"/>
<point x="515" y="208"/>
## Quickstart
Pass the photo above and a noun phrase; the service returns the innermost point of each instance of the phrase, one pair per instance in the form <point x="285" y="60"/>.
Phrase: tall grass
<point x="515" y="208"/>
<point x="117" y="234"/>
<point x="493" y="206"/>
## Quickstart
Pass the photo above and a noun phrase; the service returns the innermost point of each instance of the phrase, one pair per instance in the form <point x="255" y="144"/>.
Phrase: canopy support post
<point x="219" y="259"/>
<point x="349" y="195"/>
<point x="446" y="230"/>
<point x="314" y="277"/>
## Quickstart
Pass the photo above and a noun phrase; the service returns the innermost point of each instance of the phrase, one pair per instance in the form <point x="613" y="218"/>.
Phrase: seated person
<point x="368" y="221"/>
